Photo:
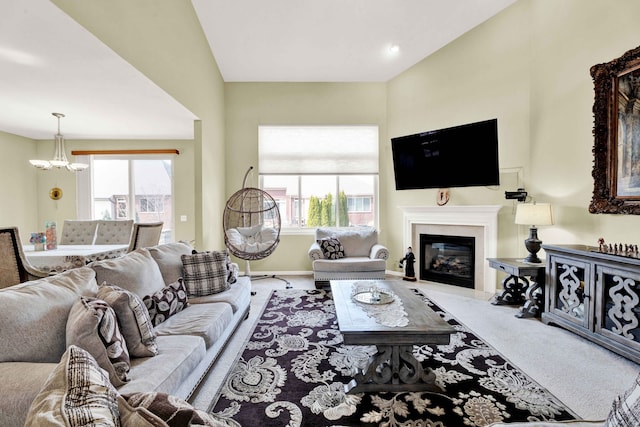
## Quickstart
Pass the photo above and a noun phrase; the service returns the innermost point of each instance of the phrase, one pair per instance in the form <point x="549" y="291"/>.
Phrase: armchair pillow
<point x="331" y="248"/>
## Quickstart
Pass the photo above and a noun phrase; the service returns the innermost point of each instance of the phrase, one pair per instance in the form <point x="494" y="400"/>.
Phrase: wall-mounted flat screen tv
<point x="459" y="156"/>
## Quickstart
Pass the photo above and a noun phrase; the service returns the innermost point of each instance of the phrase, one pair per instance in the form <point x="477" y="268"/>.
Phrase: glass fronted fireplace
<point x="448" y="259"/>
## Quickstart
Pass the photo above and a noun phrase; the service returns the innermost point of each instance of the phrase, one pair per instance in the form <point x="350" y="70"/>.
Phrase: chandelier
<point x="59" y="160"/>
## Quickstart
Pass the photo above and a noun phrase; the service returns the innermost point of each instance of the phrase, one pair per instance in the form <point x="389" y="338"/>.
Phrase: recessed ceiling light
<point x="394" y="48"/>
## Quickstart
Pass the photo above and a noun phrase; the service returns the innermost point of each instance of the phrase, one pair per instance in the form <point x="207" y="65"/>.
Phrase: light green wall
<point x="249" y="105"/>
<point x="18" y="185"/>
<point x="165" y="42"/>
<point x="529" y="67"/>
<point x="569" y="37"/>
<point x="482" y="75"/>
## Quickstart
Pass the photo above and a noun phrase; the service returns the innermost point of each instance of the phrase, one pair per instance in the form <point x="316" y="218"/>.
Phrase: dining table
<point x="65" y="257"/>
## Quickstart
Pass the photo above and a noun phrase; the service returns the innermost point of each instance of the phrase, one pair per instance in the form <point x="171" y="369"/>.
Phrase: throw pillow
<point x="626" y="408"/>
<point x="133" y="318"/>
<point x="136" y="272"/>
<point x="232" y="269"/>
<point x="331" y="248"/>
<point x="205" y="273"/>
<point x="167" y="256"/>
<point x="160" y="409"/>
<point x="166" y="302"/>
<point x="250" y="231"/>
<point x="78" y="391"/>
<point x="93" y="325"/>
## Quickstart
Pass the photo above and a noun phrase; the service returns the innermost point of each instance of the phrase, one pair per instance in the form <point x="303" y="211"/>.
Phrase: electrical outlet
<point x="183" y="218"/>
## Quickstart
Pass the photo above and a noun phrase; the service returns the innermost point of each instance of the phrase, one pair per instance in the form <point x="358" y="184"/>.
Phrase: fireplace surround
<point x="480" y="222"/>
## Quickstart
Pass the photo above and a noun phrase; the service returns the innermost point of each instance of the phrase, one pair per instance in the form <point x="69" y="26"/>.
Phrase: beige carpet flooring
<point x="585" y="376"/>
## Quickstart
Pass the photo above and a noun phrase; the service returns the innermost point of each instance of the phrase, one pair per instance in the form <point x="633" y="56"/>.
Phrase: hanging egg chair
<point x="251" y="224"/>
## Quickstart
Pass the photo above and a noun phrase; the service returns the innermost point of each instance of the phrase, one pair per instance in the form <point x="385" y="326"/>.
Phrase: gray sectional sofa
<point x="34" y="317"/>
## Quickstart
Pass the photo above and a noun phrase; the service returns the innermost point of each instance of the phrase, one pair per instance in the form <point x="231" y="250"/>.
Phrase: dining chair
<point x="145" y="235"/>
<point x="113" y="232"/>
<point x="14" y="267"/>
<point x="78" y="232"/>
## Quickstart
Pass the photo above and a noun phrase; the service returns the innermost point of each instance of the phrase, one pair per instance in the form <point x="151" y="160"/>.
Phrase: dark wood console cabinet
<point x="595" y="295"/>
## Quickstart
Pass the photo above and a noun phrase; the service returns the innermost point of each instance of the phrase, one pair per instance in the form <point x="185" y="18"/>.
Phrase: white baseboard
<point x="306" y="273"/>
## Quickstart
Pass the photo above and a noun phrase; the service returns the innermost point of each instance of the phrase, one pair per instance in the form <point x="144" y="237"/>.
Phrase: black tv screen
<point x="460" y="156"/>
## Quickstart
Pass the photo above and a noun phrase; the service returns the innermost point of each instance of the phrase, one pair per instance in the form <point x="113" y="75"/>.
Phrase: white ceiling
<point x="49" y="63"/>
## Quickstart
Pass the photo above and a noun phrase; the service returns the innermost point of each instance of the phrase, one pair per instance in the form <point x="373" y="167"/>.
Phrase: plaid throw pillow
<point x="166" y="302"/>
<point x="331" y="248"/>
<point x="77" y="393"/>
<point x="626" y="408"/>
<point x="205" y="273"/>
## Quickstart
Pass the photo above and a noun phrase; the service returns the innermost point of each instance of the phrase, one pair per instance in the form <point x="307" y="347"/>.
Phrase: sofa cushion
<point x="205" y="273"/>
<point x="331" y="248"/>
<point x="242" y="239"/>
<point x="93" y="326"/>
<point x="77" y="393"/>
<point x="208" y="321"/>
<point x="21" y="382"/>
<point x="26" y="307"/>
<point x="155" y="409"/>
<point x="350" y="264"/>
<point x="168" y="257"/>
<point x="357" y="241"/>
<point x="133" y="318"/>
<point x="136" y="271"/>
<point x="178" y="356"/>
<point x="166" y="302"/>
<point x="238" y="295"/>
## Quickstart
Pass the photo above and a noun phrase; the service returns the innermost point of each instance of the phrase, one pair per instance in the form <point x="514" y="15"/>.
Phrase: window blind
<point x="318" y="149"/>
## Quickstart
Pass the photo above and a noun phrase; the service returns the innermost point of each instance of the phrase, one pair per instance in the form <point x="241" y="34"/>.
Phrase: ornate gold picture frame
<point x="616" y="131"/>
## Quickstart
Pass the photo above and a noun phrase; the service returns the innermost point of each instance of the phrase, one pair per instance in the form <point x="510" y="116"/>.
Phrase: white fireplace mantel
<point x="477" y="216"/>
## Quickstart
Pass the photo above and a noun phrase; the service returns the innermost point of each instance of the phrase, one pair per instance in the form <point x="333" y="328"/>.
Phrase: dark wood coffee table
<point x="394" y="367"/>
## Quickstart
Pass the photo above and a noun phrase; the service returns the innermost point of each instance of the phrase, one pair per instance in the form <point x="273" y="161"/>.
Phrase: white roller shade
<point x="318" y="149"/>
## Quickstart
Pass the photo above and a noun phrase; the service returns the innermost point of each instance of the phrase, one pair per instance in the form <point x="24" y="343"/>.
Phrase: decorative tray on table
<point x="369" y="293"/>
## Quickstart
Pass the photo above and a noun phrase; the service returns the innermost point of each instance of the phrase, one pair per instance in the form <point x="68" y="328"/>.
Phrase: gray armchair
<point x="358" y="255"/>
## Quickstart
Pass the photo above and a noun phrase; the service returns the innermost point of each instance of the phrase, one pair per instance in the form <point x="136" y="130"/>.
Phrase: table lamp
<point x="533" y="214"/>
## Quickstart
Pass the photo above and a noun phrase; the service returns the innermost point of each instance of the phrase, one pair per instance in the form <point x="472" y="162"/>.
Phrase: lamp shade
<point x="534" y="214"/>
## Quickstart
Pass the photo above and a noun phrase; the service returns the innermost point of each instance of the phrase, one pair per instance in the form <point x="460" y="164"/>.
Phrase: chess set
<point x="626" y="250"/>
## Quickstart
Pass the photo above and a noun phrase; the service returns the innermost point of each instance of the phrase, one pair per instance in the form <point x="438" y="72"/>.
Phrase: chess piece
<point x="408" y="261"/>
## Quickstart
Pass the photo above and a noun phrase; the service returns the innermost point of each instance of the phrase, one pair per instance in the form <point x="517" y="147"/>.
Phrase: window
<point x="321" y="175"/>
<point x="128" y="187"/>
<point x="152" y="204"/>
<point x="359" y="204"/>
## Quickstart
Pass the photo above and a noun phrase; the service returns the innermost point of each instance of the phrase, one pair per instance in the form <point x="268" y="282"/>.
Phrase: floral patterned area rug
<point x="294" y="367"/>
